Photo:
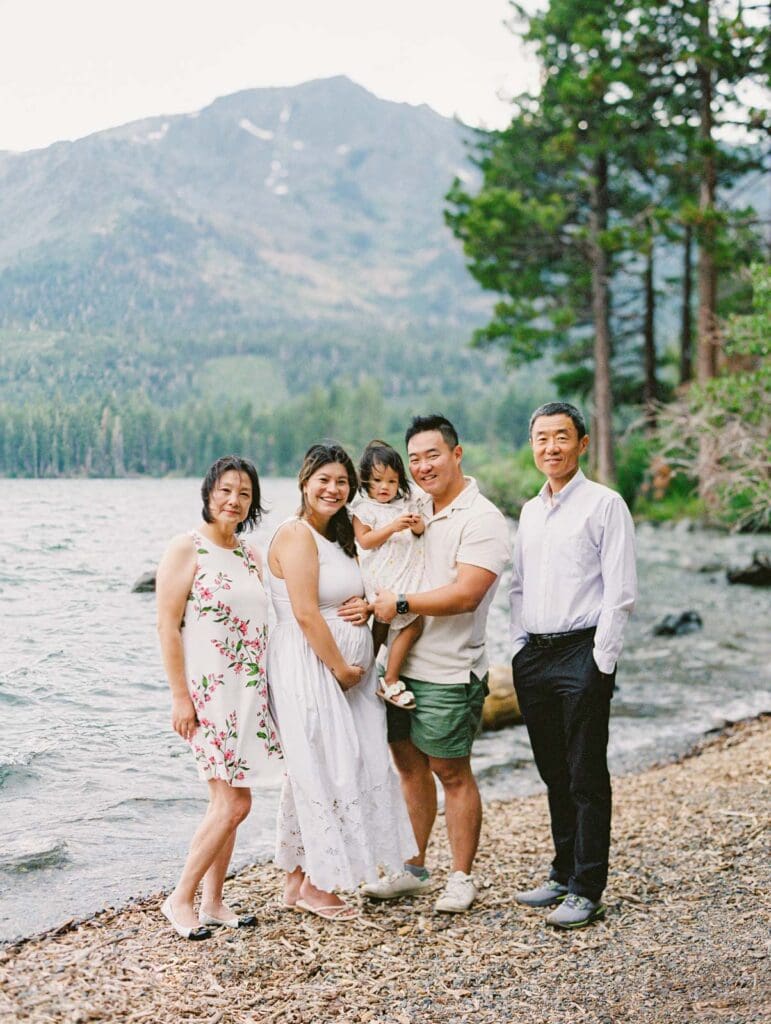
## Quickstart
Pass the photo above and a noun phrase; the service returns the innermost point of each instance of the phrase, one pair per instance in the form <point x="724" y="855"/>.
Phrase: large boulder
<point x="679" y="625"/>
<point x="756" y="574"/>
<point x="145" y="584"/>
<point x="501" y="707"/>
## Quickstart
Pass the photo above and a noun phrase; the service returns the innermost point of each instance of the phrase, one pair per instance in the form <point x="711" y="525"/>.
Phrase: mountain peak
<point x="318" y="200"/>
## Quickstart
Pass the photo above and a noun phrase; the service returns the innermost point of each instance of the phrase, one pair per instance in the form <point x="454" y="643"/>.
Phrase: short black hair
<point x="219" y="468"/>
<point x="559" y="409"/>
<point x="380" y="453"/>
<point x="434" y="421"/>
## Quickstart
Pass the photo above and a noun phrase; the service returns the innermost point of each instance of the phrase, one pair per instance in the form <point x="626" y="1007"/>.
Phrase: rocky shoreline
<point x="685" y="938"/>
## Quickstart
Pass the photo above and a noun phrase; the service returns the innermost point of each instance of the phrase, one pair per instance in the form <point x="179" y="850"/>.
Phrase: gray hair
<point x="557" y="409"/>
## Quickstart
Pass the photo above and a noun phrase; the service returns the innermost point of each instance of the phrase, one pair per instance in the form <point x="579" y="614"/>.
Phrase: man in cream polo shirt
<point x="466" y="546"/>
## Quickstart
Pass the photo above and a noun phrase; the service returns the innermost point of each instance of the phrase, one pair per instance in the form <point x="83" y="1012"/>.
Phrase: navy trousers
<point x="565" y="702"/>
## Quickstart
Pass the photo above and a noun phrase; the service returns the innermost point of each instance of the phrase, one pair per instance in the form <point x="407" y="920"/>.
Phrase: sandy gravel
<point x="685" y="939"/>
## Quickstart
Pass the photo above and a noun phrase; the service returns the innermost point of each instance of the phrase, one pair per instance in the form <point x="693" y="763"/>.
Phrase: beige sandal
<point x="343" y="912"/>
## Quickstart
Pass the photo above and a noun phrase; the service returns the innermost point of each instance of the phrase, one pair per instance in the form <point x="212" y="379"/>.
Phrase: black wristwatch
<point x="402" y="604"/>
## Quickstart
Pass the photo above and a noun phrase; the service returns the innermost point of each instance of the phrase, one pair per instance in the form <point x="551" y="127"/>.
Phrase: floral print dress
<point x="225" y="637"/>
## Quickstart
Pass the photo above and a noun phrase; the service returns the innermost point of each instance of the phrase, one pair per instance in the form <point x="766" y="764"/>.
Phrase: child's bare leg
<point x="379" y="635"/>
<point x="399" y="648"/>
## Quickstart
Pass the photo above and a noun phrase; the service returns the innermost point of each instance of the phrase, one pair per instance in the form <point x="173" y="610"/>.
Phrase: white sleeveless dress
<point x="341" y="815"/>
<point x="224" y="638"/>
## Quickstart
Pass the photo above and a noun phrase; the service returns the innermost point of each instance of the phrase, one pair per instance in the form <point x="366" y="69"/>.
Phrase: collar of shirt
<point x="463" y="500"/>
<point x="552" y="500"/>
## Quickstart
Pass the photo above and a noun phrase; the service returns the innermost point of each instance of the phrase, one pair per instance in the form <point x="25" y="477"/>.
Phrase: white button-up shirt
<point x="574" y="567"/>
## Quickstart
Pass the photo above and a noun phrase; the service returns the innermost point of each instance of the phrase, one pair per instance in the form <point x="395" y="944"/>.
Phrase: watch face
<point x="402" y="606"/>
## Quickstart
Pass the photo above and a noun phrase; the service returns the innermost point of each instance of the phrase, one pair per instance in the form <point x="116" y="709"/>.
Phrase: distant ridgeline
<point x="269" y="270"/>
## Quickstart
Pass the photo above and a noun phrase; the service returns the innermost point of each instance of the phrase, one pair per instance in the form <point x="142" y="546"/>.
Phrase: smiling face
<point x="557" y="448"/>
<point x="383" y="483"/>
<point x="326" y="491"/>
<point x="230" y="500"/>
<point x="436" y="467"/>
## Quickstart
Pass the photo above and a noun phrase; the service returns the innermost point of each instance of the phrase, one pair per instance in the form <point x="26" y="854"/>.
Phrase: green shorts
<point x="446" y="719"/>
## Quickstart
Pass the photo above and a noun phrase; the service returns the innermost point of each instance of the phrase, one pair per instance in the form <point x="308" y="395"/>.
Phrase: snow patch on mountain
<point x="154" y="136"/>
<point x="274" y="179"/>
<point x="264" y="134"/>
<point x="157" y="135"/>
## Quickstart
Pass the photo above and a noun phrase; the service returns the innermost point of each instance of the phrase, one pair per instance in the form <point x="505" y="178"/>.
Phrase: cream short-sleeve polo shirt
<point x="471" y="531"/>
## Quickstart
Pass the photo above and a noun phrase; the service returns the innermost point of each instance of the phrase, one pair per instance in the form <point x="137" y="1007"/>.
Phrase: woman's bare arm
<point x="172" y="585"/>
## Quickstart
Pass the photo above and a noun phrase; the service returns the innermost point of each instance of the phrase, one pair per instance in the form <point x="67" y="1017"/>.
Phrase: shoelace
<point x="577" y="902"/>
<point x="456" y="885"/>
<point x="402" y="874"/>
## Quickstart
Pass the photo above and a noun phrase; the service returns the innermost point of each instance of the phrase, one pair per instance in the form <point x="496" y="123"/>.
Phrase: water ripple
<point x="52" y="856"/>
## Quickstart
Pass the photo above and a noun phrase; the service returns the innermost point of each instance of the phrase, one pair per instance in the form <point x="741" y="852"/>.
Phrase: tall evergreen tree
<point x="563" y="166"/>
<point x="616" y="152"/>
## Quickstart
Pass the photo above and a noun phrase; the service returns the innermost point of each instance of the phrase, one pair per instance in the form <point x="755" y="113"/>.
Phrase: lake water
<point x="99" y="798"/>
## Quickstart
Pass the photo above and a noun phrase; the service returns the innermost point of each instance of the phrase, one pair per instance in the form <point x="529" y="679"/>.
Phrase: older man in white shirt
<point x="573" y="588"/>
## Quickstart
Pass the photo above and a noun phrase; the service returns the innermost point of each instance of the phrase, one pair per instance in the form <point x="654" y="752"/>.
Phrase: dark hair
<point x="435" y="421"/>
<point x="559" y="409"/>
<point x="380" y="453"/>
<point x="217" y="470"/>
<point x="319" y="455"/>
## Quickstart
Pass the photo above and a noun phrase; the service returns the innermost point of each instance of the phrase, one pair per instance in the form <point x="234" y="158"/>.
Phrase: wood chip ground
<point x="685" y="938"/>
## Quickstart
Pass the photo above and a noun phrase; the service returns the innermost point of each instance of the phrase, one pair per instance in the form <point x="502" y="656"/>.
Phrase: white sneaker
<point x="459" y="893"/>
<point x="391" y="887"/>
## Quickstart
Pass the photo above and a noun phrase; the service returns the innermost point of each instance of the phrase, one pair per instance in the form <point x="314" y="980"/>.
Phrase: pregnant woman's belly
<point x="355" y="642"/>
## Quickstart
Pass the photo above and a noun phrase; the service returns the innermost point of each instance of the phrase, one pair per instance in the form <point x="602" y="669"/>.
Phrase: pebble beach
<point x="685" y="939"/>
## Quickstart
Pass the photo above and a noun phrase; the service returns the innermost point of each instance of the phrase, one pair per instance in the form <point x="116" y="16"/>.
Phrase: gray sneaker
<point x="391" y="887"/>
<point x="546" y="895"/>
<point x="575" y="912"/>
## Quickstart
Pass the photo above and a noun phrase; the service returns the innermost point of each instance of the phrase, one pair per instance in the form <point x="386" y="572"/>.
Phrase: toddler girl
<point x="388" y="534"/>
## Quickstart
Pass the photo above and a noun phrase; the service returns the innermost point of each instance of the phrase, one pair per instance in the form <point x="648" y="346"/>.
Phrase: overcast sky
<point x="72" y="67"/>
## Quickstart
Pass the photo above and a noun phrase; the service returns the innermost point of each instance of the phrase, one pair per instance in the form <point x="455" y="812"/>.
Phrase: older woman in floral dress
<point x="212" y="624"/>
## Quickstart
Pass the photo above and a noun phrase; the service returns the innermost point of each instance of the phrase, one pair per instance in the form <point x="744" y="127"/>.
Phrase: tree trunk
<point x="686" y="316"/>
<point x="707" y="326"/>
<point x="708" y="337"/>
<point x="592" y="448"/>
<point x="650" y="384"/>
<point x="603" y="397"/>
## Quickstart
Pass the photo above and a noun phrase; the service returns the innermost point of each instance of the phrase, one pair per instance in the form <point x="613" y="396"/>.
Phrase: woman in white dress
<point x="212" y="624"/>
<point x="342" y="815"/>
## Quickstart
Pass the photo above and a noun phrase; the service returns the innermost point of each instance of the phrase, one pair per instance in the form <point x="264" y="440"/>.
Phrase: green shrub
<point x="673" y="506"/>
<point x="633" y="459"/>
<point x="507" y="480"/>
